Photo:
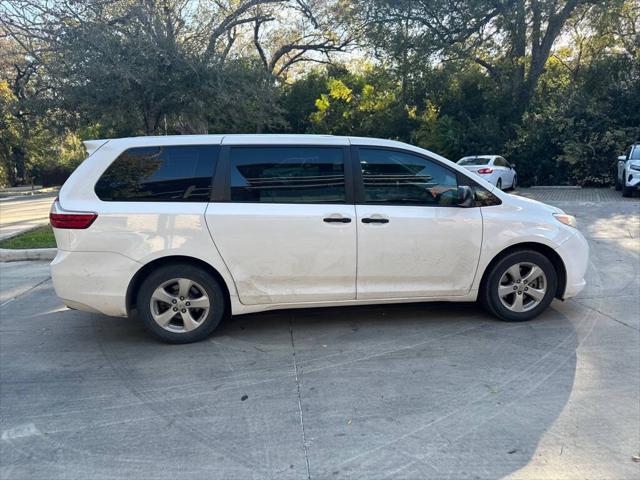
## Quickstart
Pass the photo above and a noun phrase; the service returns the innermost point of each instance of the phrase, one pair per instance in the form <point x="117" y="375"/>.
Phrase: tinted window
<point x="473" y="161"/>
<point x="397" y="178"/>
<point x="287" y="175"/>
<point x="160" y="174"/>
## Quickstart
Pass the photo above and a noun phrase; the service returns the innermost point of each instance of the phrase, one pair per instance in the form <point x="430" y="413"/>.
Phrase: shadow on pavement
<point x="398" y="391"/>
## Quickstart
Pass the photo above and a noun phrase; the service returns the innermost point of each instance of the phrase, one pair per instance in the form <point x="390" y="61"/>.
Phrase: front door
<point x="413" y="241"/>
<point x="287" y="232"/>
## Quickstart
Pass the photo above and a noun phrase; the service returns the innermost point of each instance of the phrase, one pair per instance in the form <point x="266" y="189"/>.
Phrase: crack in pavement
<point x="605" y="315"/>
<point x="295" y="368"/>
<point x="21" y="294"/>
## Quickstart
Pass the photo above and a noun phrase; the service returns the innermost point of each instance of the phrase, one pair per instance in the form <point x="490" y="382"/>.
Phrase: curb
<point x="26" y="192"/>
<point x="556" y="187"/>
<point x="11" y="255"/>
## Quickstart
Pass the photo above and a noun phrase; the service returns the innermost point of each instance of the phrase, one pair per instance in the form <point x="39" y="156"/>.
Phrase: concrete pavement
<point x="18" y="214"/>
<point x="406" y="391"/>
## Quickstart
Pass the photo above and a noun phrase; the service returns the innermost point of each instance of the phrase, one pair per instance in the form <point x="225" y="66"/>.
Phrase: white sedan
<point x="492" y="168"/>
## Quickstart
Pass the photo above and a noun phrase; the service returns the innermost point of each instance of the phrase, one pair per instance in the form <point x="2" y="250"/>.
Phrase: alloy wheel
<point x="179" y="305"/>
<point x="522" y="287"/>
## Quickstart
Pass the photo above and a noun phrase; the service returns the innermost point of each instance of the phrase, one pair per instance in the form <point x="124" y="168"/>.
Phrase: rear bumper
<point x="575" y="255"/>
<point x="93" y="281"/>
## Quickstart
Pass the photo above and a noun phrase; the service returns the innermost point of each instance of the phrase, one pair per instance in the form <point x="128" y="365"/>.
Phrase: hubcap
<point x="179" y="305"/>
<point x="522" y="287"/>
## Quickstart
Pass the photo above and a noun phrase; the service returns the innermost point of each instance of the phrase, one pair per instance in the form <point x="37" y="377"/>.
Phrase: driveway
<point x="18" y="214"/>
<point x="406" y="391"/>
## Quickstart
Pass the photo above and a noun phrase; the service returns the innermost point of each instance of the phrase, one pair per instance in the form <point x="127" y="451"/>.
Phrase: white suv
<point x="189" y="229"/>
<point x="628" y="177"/>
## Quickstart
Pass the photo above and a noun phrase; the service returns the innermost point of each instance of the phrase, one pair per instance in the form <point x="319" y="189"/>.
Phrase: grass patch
<point x="41" y="237"/>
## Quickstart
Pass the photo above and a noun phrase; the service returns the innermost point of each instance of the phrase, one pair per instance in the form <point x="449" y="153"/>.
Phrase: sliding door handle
<point x="375" y="220"/>
<point x="337" y="220"/>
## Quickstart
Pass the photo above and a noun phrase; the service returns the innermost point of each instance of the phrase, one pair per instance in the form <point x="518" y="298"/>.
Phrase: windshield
<point x="635" y="153"/>
<point x="474" y="161"/>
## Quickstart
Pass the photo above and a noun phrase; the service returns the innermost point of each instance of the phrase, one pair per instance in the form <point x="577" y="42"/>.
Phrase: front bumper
<point x="93" y="281"/>
<point x="632" y="179"/>
<point x="575" y="255"/>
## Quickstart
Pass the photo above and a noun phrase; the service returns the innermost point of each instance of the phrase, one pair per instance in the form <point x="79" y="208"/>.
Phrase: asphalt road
<point x="421" y="391"/>
<point x="22" y="213"/>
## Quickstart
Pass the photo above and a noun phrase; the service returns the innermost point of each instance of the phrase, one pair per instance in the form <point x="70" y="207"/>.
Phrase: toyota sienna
<point x="188" y="229"/>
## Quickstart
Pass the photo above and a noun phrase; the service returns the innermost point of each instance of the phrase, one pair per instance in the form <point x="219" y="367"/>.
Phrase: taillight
<point x="485" y="170"/>
<point x="61" y="218"/>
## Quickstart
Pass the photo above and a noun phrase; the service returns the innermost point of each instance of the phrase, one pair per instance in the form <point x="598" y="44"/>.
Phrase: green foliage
<point x="578" y="126"/>
<point x="9" y="133"/>
<point x="362" y="104"/>
<point x="561" y="114"/>
<point x="41" y="237"/>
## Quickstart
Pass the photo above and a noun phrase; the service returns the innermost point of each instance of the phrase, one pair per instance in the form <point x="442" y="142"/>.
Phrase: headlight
<point x="566" y="219"/>
<point x="634" y="167"/>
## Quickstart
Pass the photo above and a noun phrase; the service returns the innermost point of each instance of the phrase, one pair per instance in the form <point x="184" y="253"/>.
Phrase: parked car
<point x="492" y="168"/>
<point x="628" y="178"/>
<point x="189" y="229"/>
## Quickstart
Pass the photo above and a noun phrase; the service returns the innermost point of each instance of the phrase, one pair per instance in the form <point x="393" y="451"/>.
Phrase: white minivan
<point x="186" y="230"/>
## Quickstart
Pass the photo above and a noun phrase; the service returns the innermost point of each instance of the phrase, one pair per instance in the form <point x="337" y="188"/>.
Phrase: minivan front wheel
<point x="180" y="303"/>
<point x="520" y="286"/>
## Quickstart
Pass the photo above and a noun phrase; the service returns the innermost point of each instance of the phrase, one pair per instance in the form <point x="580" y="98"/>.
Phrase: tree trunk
<point x="18" y="156"/>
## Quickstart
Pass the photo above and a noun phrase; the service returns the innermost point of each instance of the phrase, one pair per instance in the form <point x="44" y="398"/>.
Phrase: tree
<point x="511" y="40"/>
<point x="9" y="134"/>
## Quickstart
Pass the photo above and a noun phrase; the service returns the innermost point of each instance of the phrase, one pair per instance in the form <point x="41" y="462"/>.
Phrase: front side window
<point x="398" y="178"/>
<point x="287" y="175"/>
<point x="482" y="196"/>
<point x="160" y="174"/>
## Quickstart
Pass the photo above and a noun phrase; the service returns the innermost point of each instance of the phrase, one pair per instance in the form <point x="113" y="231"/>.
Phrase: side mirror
<point x="622" y="158"/>
<point x="465" y="196"/>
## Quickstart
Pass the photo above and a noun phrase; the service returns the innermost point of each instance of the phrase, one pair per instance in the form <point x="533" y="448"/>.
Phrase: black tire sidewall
<point x="198" y="275"/>
<point x="491" y="286"/>
<point x="499" y="184"/>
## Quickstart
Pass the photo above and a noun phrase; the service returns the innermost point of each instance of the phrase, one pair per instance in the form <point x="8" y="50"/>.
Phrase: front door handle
<point x="375" y="220"/>
<point x="337" y="220"/>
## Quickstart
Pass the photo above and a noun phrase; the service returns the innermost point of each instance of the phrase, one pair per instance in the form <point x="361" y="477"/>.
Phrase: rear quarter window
<point x="160" y="174"/>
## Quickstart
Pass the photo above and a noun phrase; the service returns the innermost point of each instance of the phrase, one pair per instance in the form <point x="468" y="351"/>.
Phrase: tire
<point x="524" y="306"/>
<point x="514" y="184"/>
<point x="499" y="184"/>
<point x="167" y="290"/>
<point x="626" y="191"/>
<point x="618" y="183"/>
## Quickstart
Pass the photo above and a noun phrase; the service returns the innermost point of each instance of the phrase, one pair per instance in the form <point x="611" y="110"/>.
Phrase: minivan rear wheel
<point x="520" y="286"/>
<point x="180" y="303"/>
